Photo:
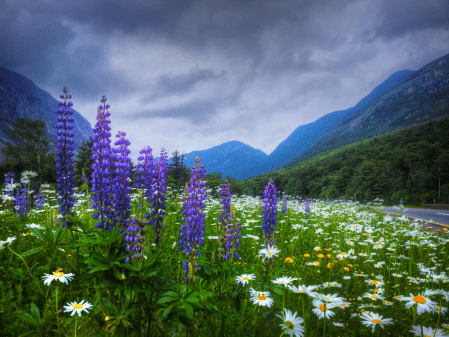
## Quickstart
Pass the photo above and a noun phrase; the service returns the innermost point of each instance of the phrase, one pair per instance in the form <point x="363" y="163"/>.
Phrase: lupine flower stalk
<point x="269" y="217"/>
<point x="22" y="203"/>
<point x="121" y="180"/>
<point x="131" y="238"/>
<point x="144" y="174"/>
<point x="307" y="207"/>
<point x="10" y="186"/>
<point x="192" y="230"/>
<point x="64" y="159"/>
<point x="101" y="169"/>
<point x="157" y="196"/>
<point x="9" y="183"/>
<point x="40" y="200"/>
<point x="284" y="204"/>
<point x="229" y="231"/>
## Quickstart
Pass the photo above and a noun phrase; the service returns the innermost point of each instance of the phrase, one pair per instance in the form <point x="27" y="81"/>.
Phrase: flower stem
<point x="28" y="269"/>
<point x="76" y="322"/>
<point x="57" y="312"/>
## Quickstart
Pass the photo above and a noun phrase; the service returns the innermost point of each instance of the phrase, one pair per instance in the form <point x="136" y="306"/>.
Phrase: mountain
<point x="21" y="98"/>
<point x="405" y="98"/>
<point x="424" y="96"/>
<point x="233" y="159"/>
<point x="305" y="136"/>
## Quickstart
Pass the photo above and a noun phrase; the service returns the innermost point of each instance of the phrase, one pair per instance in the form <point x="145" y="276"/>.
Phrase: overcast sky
<point x="190" y="75"/>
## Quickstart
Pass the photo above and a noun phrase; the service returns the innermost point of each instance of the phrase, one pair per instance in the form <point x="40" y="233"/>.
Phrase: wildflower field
<point x="144" y="260"/>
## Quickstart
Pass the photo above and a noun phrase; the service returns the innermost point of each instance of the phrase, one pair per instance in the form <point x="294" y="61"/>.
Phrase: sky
<point x="190" y="75"/>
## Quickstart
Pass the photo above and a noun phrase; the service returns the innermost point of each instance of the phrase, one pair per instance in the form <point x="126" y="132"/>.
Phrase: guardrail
<point x="436" y="206"/>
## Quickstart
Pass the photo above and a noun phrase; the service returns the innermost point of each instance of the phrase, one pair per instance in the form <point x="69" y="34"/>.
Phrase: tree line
<point x="410" y="164"/>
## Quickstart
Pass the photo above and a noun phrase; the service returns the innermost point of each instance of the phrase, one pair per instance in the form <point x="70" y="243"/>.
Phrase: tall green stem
<point x="27" y="268"/>
<point x="57" y="311"/>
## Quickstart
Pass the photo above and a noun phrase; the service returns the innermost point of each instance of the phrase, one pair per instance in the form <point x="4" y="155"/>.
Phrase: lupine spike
<point x="192" y="230"/>
<point x="101" y="173"/>
<point x="158" y="197"/>
<point x="64" y="159"/>
<point x="269" y="217"/>
<point x="121" y="180"/>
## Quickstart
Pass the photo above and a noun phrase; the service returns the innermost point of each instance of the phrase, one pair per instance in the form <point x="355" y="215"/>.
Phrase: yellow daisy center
<point x="376" y="321"/>
<point x="343" y="304"/>
<point x="262" y="297"/>
<point x="269" y="253"/>
<point x="58" y="274"/>
<point x="77" y="306"/>
<point x="323" y="307"/>
<point x="343" y="253"/>
<point x="289" y="324"/>
<point x="419" y="299"/>
<point x="373" y="296"/>
<point x="374" y="282"/>
<point x="245" y="278"/>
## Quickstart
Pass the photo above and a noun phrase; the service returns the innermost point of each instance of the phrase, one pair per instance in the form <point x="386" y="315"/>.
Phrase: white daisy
<point x="321" y="309"/>
<point x="245" y="278"/>
<point x="292" y="324"/>
<point x="423" y="304"/>
<point x="269" y="252"/>
<point x="261" y="298"/>
<point x="374" y="319"/>
<point x="428" y="331"/>
<point x="303" y="289"/>
<point x="58" y="275"/>
<point x="7" y="242"/>
<point x="284" y="280"/>
<point x="77" y="307"/>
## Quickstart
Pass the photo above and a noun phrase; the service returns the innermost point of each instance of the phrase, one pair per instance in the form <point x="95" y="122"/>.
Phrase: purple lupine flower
<point x="83" y="178"/>
<point x="269" y="217"/>
<point x="131" y="239"/>
<point x="307" y="206"/>
<point x="284" y="204"/>
<point x="9" y="183"/>
<point x="229" y="231"/>
<point x="122" y="180"/>
<point x="40" y="200"/>
<point x="157" y="196"/>
<point x="144" y="175"/>
<point x="101" y="169"/>
<point x="192" y="230"/>
<point x="64" y="159"/>
<point x="22" y="203"/>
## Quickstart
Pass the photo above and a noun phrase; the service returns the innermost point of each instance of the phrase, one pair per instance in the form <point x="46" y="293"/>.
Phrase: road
<point x="437" y="216"/>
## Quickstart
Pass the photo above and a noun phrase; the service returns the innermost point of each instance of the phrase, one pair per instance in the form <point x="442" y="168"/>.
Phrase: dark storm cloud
<point x="256" y="60"/>
<point x="197" y="112"/>
<point x="176" y="83"/>
<point x="404" y="17"/>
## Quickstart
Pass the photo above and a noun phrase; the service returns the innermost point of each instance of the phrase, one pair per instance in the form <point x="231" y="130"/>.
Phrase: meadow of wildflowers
<point x="127" y="260"/>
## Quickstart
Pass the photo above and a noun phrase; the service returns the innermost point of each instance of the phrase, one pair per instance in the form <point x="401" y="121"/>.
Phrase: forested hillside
<point x="411" y="164"/>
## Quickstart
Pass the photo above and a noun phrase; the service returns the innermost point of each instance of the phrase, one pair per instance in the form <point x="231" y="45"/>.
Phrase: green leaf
<point x="168" y="310"/>
<point x="32" y="251"/>
<point x="101" y="267"/>
<point x="112" y="308"/>
<point x="192" y="299"/>
<point x="35" y="312"/>
<point x="189" y="309"/>
<point x="117" y="274"/>
<point x="166" y="299"/>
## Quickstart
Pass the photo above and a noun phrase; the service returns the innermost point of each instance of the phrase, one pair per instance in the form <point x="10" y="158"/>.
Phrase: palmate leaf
<point x="47" y="235"/>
